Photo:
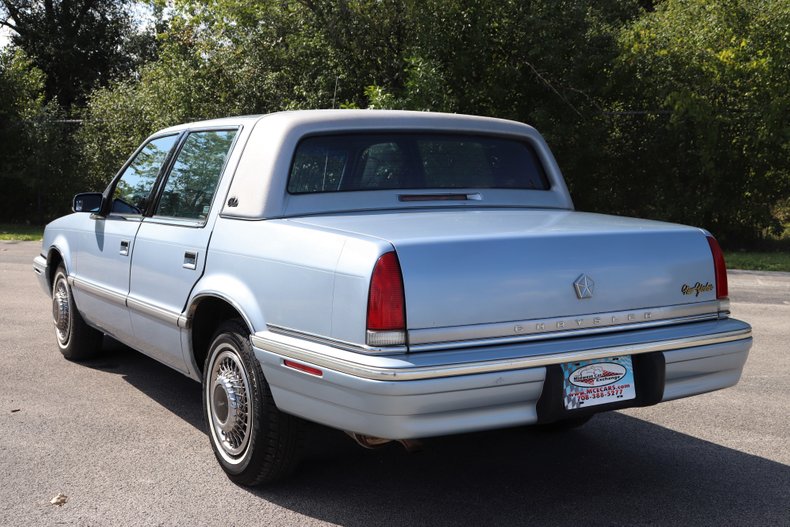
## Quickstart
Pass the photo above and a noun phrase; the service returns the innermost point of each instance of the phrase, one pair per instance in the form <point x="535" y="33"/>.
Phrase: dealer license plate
<point x="599" y="381"/>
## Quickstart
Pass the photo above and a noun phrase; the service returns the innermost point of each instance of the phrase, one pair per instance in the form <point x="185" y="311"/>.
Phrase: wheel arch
<point x="206" y="312"/>
<point x="54" y="260"/>
<point x="57" y="254"/>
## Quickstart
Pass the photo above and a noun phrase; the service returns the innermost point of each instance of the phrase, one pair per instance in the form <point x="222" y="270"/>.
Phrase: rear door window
<point x="192" y="182"/>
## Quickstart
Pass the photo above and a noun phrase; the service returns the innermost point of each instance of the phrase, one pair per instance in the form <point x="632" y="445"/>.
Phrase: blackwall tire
<point x="76" y="340"/>
<point x="253" y="441"/>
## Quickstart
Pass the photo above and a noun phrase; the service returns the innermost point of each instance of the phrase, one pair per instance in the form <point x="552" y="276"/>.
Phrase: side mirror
<point x="87" y="202"/>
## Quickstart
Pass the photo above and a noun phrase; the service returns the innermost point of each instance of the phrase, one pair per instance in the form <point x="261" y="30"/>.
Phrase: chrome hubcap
<point x="60" y="310"/>
<point x="228" y="398"/>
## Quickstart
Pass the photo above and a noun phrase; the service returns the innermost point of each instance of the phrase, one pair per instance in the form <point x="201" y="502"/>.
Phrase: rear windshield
<point x="337" y="163"/>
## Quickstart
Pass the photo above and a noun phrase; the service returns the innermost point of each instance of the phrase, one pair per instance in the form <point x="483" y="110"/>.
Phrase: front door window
<point x="133" y="190"/>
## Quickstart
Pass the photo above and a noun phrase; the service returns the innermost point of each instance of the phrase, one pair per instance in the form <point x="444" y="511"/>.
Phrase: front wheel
<point x="76" y="339"/>
<point x="253" y="441"/>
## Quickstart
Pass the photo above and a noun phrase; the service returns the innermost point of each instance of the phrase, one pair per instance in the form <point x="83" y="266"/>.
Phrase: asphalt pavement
<point x="122" y="438"/>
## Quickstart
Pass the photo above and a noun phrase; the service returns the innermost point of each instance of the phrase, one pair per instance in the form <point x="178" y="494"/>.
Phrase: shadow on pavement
<point x="171" y="389"/>
<point x="616" y="470"/>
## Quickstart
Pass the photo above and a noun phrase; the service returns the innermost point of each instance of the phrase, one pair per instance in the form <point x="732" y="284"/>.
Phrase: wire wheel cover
<point x="228" y="397"/>
<point x="61" y="314"/>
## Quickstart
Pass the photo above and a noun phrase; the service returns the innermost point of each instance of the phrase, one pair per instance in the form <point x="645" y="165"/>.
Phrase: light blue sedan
<point x="397" y="275"/>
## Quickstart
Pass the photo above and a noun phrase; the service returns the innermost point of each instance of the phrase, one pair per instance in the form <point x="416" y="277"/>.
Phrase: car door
<point x="106" y="244"/>
<point x="170" y="247"/>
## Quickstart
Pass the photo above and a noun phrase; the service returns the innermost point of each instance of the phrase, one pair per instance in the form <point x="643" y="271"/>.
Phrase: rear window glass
<point x="347" y="162"/>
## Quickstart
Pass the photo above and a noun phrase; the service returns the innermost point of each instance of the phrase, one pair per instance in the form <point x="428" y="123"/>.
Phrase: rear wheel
<point x="253" y="441"/>
<point x="76" y="339"/>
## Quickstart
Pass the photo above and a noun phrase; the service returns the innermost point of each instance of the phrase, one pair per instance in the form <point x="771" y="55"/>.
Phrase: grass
<point x="772" y="253"/>
<point x="9" y="231"/>
<point x="759" y="261"/>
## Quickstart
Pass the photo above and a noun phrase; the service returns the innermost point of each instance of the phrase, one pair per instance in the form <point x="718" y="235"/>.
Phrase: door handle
<point x="124" y="248"/>
<point x="190" y="260"/>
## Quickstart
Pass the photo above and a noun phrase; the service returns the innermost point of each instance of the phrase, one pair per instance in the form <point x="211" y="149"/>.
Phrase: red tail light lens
<point x="722" y="290"/>
<point x="386" y="313"/>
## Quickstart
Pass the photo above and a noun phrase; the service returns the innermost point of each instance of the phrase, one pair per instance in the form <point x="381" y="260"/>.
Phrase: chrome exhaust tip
<point x="371" y="443"/>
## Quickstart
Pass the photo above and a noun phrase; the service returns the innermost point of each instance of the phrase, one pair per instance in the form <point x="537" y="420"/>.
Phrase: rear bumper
<point x="435" y="393"/>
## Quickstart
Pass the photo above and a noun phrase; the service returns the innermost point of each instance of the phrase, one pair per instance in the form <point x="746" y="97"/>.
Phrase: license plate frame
<point x="597" y="382"/>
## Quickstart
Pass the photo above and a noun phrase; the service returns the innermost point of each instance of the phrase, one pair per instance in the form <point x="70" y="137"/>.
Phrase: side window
<point x="134" y="188"/>
<point x="193" y="180"/>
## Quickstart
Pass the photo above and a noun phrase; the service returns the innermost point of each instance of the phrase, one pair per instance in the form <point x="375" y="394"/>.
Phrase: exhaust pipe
<point x="371" y="443"/>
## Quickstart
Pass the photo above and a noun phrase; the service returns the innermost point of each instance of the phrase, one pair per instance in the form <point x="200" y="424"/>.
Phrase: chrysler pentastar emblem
<point x="584" y="286"/>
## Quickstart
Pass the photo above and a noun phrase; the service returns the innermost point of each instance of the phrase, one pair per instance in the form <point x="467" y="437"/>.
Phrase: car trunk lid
<point x="481" y="274"/>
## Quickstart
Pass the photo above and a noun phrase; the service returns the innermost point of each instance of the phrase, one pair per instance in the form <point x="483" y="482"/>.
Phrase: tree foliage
<point x="719" y="155"/>
<point x="78" y="44"/>
<point x="674" y="109"/>
<point x="36" y="157"/>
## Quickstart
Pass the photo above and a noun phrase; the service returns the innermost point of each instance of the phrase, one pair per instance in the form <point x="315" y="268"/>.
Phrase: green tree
<point x="78" y="44"/>
<point x="543" y="62"/>
<point x="234" y="58"/>
<point x="716" y="151"/>
<point x="36" y="153"/>
<point x="674" y="110"/>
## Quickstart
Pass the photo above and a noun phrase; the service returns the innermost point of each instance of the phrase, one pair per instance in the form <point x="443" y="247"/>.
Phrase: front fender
<point x="57" y="248"/>
<point x="62" y="236"/>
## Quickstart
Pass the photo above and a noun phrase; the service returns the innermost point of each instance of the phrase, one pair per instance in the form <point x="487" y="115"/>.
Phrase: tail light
<point x="722" y="291"/>
<point x="386" y="304"/>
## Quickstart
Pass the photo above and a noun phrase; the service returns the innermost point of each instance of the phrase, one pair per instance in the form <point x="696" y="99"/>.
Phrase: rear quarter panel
<point x="289" y="275"/>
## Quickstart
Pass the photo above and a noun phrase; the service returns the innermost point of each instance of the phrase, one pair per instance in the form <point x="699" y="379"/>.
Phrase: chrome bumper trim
<point x="40" y="264"/>
<point x="42" y="275"/>
<point x="335" y="343"/>
<point x="290" y="348"/>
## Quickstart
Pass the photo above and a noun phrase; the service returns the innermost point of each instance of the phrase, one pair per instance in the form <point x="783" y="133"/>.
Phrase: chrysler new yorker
<point x="395" y="275"/>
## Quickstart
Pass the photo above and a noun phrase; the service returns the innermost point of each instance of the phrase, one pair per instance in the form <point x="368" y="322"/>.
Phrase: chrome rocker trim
<point x="158" y="313"/>
<point x="95" y="290"/>
<point x="163" y="315"/>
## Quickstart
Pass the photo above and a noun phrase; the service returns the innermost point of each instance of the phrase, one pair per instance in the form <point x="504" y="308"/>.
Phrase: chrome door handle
<point x="124" y="248"/>
<point x="190" y="260"/>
